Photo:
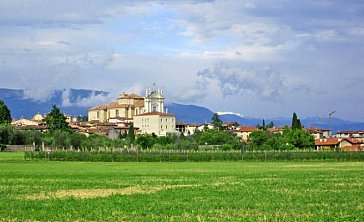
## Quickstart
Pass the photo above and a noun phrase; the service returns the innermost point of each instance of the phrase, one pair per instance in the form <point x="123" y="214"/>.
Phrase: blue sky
<point x="257" y="58"/>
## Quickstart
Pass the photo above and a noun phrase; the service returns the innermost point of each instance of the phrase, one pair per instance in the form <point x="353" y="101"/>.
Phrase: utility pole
<point x="330" y="114"/>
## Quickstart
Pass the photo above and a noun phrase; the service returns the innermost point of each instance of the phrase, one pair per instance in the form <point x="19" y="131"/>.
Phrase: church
<point x="147" y="113"/>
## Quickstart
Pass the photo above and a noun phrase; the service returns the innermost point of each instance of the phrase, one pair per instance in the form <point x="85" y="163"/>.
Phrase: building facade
<point x="126" y="106"/>
<point x="158" y="123"/>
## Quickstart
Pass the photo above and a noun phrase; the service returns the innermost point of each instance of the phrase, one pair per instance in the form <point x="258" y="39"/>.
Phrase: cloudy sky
<point x="259" y="58"/>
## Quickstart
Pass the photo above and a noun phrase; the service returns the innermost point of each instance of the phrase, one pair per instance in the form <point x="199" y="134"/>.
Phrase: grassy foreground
<point x="214" y="191"/>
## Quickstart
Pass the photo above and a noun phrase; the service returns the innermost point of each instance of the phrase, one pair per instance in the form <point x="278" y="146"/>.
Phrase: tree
<point x="216" y="121"/>
<point x="5" y="116"/>
<point x="76" y="140"/>
<point x="61" y="138"/>
<point x="131" y="133"/>
<point x="257" y="139"/>
<point x="299" y="138"/>
<point x="296" y="123"/>
<point x="270" y="125"/>
<point x="145" y="141"/>
<point x="56" y="120"/>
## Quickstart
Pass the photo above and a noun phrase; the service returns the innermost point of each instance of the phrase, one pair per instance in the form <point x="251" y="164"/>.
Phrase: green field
<point x="214" y="191"/>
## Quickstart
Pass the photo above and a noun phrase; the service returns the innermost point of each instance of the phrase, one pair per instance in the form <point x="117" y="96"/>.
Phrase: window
<point x="98" y="114"/>
<point x="117" y="113"/>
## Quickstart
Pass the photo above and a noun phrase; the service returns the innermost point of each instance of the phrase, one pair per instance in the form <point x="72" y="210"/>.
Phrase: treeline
<point x="64" y="139"/>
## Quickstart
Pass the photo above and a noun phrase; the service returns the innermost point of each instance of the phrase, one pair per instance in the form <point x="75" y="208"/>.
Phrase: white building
<point x="161" y="124"/>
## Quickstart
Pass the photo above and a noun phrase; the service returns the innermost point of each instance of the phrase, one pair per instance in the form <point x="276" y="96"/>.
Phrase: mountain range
<point x="76" y="102"/>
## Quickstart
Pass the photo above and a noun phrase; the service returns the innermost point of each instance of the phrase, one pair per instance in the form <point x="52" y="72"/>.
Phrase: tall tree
<point x="131" y="133"/>
<point x="5" y="116"/>
<point x="216" y="121"/>
<point x="296" y="123"/>
<point x="56" y="120"/>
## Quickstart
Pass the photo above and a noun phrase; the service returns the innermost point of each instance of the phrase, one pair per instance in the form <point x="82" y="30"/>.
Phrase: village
<point x="149" y="117"/>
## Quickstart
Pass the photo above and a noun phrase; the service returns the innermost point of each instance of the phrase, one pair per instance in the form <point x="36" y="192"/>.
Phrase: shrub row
<point x="193" y="156"/>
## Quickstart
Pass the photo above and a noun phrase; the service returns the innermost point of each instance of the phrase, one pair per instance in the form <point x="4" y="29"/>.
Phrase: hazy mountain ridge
<point x="22" y="106"/>
<point x="78" y="101"/>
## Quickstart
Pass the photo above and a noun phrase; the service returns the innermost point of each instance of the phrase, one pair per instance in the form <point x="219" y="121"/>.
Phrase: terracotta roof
<point x="113" y="105"/>
<point x="139" y="103"/>
<point x="247" y="129"/>
<point x="130" y="96"/>
<point x="275" y="129"/>
<point x="353" y="141"/>
<point x="316" y="130"/>
<point x="327" y="142"/>
<point x="156" y="114"/>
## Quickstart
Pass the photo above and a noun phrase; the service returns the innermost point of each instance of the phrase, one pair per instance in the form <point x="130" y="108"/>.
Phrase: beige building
<point x="126" y="106"/>
<point x="245" y="131"/>
<point x="161" y="124"/>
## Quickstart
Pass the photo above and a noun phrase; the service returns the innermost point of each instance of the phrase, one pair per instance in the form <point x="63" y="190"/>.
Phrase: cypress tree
<point x="131" y="133"/>
<point x="296" y="123"/>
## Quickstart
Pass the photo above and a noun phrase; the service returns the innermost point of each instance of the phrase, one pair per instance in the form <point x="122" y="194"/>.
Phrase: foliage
<point x="300" y="139"/>
<point x="56" y="120"/>
<point x="131" y="133"/>
<point x="5" y="131"/>
<point x="61" y="139"/>
<point x="290" y="139"/>
<point x="17" y="137"/>
<point x="76" y="140"/>
<point x="145" y="141"/>
<point x="5" y="116"/>
<point x="296" y="123"/>
<point x="217" y="137"/>
<point x="33" y="136"/>
<point x="216" y="121"/>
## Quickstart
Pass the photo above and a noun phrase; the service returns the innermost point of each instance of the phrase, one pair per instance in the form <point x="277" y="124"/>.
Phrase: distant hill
<point x="190" y="113"/>
<point x="71" y="101"/>
<point x="77" y="101"/>
<point x="197" y="114"/>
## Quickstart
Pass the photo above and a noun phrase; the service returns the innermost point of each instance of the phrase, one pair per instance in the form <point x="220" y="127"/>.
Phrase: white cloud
<point x="229" y="113"/>
<point x="41" y="94"/>
<point x="95" y="99"/>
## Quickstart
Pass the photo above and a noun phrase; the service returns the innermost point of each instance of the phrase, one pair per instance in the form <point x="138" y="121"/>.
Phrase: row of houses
<point x="347" y="140"/>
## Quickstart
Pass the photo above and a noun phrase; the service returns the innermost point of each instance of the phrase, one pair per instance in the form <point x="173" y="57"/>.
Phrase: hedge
<point x="195" y="156"/>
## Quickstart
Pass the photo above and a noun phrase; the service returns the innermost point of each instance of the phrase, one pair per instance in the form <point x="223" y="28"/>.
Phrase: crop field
<point x="207" y="191"/>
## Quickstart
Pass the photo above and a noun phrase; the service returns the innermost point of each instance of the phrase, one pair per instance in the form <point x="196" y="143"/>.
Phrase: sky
<point x="258" y="58"/>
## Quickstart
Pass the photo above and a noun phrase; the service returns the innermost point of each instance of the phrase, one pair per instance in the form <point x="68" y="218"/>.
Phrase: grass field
<point x="214" y="191"/>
